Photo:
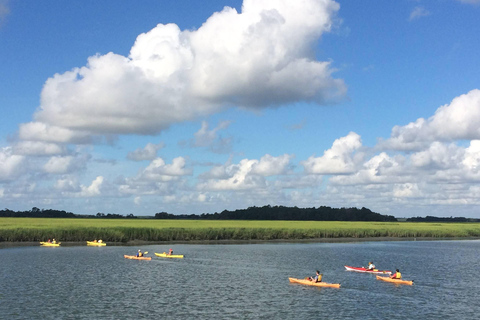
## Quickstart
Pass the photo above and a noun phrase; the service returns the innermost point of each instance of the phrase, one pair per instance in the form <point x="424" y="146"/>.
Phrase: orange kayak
<point x="126" y="256"/>
<point x="316" y="284"/>
<point x="398" y="281"/>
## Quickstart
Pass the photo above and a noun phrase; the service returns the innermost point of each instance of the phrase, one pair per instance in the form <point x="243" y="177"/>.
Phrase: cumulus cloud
<point x="158" y="170"/>
<point x="94" y="189"/>
<point x="247" y="174"/>
<point x="149" y="152"/>
<point x="65" y="164"/>
<point x="258" y="58"/>
<point x="38" y="148"/>
<point x="456" y="121"/>
<point x="10" y="164"/>
<point x="211" y="139"/>
<point x="337" y="160"/>
<point x="418" y="12"/>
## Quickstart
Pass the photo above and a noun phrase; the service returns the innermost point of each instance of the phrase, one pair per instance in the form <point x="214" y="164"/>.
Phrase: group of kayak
<point x="395" y="277"/>
<point x="55" y="243"/>
<point x="141" y="255"/>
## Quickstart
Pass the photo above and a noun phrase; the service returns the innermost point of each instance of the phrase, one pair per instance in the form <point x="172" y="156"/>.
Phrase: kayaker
<point x="54" y="241"/>
<point x="100" y="241"/>
<point x="170" y="252"/>
<point x="317" y="278"/>
<point x="371" y="266"/>
<point x="139" y="253"/>
<point x="396" y="275"/>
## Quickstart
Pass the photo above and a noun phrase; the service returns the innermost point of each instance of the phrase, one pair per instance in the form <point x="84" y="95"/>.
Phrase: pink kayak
<point x="362" y="269"/>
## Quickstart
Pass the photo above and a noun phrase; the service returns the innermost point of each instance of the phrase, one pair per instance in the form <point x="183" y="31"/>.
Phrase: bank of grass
<point x="124" y="230"/>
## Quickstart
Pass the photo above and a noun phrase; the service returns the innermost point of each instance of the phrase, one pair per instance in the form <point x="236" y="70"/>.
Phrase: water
<point x="246" y="281"/>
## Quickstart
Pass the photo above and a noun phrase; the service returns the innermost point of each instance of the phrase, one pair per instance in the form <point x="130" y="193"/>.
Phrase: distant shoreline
<point x="12" y="244"/>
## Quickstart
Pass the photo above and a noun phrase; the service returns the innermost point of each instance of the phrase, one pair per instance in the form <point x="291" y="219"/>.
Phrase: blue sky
<point x="187" y="107"/>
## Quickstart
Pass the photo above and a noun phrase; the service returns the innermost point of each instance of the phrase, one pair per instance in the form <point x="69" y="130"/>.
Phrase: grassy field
<point x="124" y="230"/>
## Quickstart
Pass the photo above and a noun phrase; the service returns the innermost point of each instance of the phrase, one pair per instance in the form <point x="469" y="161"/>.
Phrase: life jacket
<point x="398" y="275"/>
<point x="140" y="254"/>
<point x="319" y="278"/>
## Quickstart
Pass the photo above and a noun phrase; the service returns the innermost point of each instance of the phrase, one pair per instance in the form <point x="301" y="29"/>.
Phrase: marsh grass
<point x="124" y="230"/>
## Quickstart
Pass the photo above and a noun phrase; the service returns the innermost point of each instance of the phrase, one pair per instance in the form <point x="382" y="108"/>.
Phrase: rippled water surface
<point x="246" y="281"/>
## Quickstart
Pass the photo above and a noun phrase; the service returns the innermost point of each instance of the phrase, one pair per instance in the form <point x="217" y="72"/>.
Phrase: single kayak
<point x="165" y="255"/>
<point x="126" y="256"/>
<point x="316" y="284"/>
<point x="97" y="244"/>
<point x="50" y="244"/>
<point x="398" y="281"/>
<point x="362" y="269"/>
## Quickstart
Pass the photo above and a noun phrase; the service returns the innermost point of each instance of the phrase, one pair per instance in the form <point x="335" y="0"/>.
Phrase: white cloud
<point x="258" y="58"/>
<point x="147" y="153"/>
<point x="94" y="189"/>
<point x="211" y="139"/>
<point x="418" y="12"/>
<point x="66" y="164"/>
<point x="37" y="148"/>
<point x="158" y="170"/>
<point x="271" y="166"/>
<point x="337" y="160"/>
<point x="10" y="164"/>
<point x="59" y="164"/>
<point x="248" y="174"/>
<point x="457" y="121"/>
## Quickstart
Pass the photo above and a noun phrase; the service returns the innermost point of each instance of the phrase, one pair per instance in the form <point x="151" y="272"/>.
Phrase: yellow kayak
<point x="165" y="255"/>
<point x="316" y="284"/>
<point x="398" y="281"/>
<point x="97" y="244"/>
<point x="50" y="244"/>
<point x="126" y="256"/>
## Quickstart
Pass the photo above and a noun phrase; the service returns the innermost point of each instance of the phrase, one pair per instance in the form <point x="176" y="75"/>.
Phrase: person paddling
<point x="317" y="278"/>
<point x="371" y="266"/>
<point x="396" y="275"/>
<point x="139" y="253"/>
<point x="170" y="252"/>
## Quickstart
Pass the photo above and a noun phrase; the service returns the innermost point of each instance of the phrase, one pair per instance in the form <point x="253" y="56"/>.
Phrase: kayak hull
<point x="397" y="281"/>
<point x="126" y="256"/>
<point x="364" y="270"/>
<point x="315" y="284"/>
<point x="49" y="244"/>
<point x="96" y="244"/>
<point x="164" y="255"/>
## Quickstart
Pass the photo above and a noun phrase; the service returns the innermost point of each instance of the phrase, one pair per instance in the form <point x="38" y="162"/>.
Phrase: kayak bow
<point x="126" y="256"/>
<point x="397" y="281"/>
<point x="365" y="270"/>
<point x="316" y="284"/>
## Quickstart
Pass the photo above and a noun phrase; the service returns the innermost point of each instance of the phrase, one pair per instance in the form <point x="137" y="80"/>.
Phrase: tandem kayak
<point x="316" y="284"/>
<point x="50" y="244"/>
<point x="126" y="256"/>
<point x="97" y="244"/>
<point x="362" y="269"/>
<point x="397" y="281"/>
<point x="165" y="255"/>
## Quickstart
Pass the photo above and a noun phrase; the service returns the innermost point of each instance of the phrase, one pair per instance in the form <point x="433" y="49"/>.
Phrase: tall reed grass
<point x="121" y="231"/>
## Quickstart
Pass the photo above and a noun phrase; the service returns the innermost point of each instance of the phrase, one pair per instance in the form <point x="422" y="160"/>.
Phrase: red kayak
<point x="362" y="269"/>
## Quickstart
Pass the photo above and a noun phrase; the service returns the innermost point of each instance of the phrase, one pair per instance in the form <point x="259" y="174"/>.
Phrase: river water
<point x="240" y="281"/>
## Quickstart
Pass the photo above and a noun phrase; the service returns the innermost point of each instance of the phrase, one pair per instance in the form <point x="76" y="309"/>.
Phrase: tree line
<point x="287" y="213"/>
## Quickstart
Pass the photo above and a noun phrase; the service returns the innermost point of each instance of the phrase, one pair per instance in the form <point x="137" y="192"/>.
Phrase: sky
<point x="192" y="107"/>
